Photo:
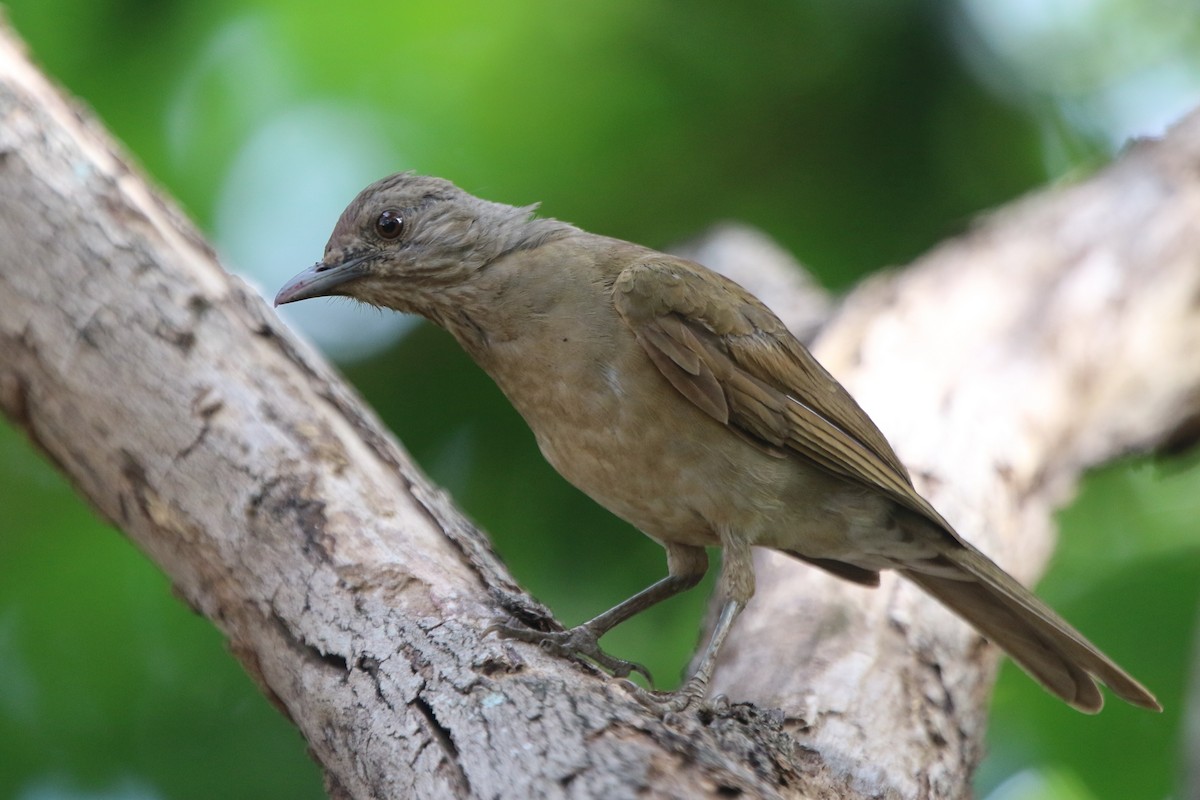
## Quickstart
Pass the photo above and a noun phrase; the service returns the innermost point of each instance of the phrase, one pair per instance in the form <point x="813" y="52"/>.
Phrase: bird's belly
<point x="662" y="491"/>
<point x="663" y="466"/>
<point x="690" y="488"/>
<point x="641" y="450"/>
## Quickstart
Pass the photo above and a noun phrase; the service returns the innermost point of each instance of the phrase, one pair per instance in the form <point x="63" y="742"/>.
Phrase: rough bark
<point x="357" y="596"/>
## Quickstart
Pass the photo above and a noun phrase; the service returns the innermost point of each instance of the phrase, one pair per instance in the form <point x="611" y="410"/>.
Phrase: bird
<point x="677" y="400"/>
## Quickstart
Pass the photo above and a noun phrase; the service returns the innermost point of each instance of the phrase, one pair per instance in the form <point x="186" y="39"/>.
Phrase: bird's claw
<point x="687" y="697"/>
<point x="578" y="642"/>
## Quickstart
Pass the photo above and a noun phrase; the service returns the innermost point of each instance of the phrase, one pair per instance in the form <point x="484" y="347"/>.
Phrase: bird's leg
<point x="737" y="586"/>
<point x="686" y="566"/>
<point x="691" y="693"/>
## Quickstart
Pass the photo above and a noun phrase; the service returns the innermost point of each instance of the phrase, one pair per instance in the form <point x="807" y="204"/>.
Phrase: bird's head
<point x="407" y="239"/>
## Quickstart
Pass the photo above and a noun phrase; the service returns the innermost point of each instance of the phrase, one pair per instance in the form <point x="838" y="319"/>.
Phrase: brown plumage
<point x="677" y="400"/>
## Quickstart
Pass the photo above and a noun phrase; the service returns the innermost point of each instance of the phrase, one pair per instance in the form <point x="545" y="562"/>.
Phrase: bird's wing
<point x="726" y="352"/>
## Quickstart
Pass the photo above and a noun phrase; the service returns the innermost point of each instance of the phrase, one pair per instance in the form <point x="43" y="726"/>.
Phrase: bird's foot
<point x="688" y="697"/>
<point x="576" y="643"/>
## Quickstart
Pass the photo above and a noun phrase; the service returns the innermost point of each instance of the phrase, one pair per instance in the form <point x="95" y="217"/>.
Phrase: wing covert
<point x="728" y="354"/>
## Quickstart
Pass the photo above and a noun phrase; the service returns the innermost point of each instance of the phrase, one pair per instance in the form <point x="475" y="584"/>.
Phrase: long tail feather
<point x="1041" y="642"/>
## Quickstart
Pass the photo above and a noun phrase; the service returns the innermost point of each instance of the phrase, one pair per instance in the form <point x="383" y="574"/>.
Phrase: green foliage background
<point x="859" y="134"/>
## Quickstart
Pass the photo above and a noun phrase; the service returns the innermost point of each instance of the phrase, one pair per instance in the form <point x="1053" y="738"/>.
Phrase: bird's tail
<point x="1041" y="642"/>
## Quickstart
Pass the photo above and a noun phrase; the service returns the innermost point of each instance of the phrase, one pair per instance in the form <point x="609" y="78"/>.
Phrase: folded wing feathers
<point x="705" y="368"/>
<point x="675" y="352"/>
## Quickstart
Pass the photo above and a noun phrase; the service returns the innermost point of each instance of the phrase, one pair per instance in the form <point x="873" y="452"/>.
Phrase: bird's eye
<point x="389" y="224"/>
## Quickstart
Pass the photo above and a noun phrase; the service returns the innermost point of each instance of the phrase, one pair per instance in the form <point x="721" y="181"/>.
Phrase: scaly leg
<point x="737" y="587"/>
<point x="686" y="565"/>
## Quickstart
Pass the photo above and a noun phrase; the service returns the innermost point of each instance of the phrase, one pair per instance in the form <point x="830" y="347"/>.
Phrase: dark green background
<point x="858" y="133"/>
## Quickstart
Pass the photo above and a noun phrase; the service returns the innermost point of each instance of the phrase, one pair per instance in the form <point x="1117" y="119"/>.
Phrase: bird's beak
<point x="322" y="280"/>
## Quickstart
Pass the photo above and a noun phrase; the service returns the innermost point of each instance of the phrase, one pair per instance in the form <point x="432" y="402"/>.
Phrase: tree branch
<point x="357" y="596"/>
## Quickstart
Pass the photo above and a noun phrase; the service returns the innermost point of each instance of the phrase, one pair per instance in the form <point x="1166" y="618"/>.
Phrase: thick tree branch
<point x="357" y="596"/>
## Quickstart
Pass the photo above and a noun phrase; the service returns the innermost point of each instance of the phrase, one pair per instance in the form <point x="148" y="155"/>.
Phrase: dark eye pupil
<point x="389" y="224"/>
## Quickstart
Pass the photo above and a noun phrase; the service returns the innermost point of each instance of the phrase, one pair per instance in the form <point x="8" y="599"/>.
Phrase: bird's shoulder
<point x="657" y="284"/>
